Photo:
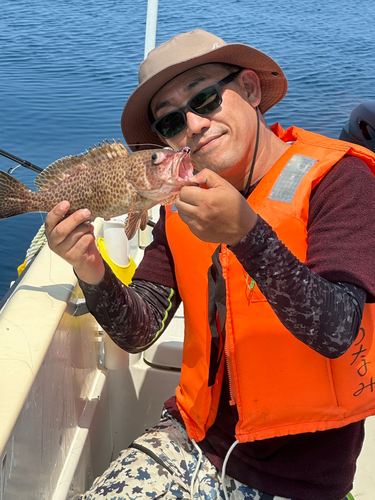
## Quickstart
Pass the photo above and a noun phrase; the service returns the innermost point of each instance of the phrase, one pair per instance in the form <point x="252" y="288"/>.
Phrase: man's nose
<point x="196" y="123"/>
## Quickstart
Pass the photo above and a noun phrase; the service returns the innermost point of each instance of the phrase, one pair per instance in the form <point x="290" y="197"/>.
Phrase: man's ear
<point x="251" y="83"/>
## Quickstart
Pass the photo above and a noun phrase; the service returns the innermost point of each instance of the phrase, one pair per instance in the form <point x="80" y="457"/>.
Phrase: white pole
<point x="152" y="18"/>
<point x="145" y="237"/>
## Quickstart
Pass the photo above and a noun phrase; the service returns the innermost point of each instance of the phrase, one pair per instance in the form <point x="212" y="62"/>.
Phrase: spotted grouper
<point x="107" y="179"/>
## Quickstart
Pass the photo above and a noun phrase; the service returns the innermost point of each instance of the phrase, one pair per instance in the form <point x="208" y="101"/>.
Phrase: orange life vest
<point x="280" y="385"/>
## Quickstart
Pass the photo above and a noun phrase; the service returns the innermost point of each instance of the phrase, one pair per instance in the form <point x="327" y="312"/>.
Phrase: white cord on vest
<point x="200" y="456"/>
<point x="224" y="468"/>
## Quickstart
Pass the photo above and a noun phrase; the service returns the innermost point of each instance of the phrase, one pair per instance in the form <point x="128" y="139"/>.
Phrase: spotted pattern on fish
<point x="108" y="180"/>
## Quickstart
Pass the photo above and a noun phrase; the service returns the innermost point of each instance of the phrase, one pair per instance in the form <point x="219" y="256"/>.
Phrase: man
<point x="273" y="257"/>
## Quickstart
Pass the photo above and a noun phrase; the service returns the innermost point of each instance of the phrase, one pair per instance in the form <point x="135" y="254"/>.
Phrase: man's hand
<point x="73" y="240"/>
<point x="219" y="214"/>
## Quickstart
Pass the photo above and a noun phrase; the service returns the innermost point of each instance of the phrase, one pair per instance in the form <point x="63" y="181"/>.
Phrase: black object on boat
<point x="360" y="129"/>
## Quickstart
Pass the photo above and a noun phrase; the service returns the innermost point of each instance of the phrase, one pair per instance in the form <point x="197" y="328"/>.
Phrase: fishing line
<point x="28" y="364"/>
<point x="138" y="145"/>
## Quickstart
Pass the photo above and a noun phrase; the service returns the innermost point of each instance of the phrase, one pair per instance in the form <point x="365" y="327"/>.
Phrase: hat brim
<point x="135" y="123"/>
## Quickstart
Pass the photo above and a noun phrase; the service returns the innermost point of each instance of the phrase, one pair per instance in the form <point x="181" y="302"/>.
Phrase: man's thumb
<point x="207" y="178"/>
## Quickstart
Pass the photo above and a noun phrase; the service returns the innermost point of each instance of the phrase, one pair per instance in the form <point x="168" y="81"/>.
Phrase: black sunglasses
<point x="204" y="102"/>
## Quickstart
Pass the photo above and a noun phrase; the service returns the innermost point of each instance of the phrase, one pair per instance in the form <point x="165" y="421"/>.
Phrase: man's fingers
<point x="190" y="195"/>
<point x="73" y="239"/>
<point x="55" y="215"/>
<point x="208" y="178"/>
<point x="217" y="212"/>
<point x="60" y="230"/>
<point x="70" y="237"/>
<point x="77" y="243"/>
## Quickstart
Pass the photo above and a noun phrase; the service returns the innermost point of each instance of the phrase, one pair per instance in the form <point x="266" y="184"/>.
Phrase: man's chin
<point x="209" y="155"/>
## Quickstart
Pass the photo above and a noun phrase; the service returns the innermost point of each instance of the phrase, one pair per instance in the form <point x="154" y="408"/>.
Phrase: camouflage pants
<point x="161" y="465"/>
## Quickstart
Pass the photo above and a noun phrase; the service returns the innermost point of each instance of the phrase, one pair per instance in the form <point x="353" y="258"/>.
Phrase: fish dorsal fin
<point x="62" y="168"/>
<point x="57" y="171"/>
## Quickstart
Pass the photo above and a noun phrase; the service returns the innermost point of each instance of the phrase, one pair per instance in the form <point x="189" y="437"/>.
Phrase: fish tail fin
<point x="13" y="196"/>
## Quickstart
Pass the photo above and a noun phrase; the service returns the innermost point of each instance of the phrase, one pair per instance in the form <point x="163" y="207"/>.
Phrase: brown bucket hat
<point x="183" y="52"/>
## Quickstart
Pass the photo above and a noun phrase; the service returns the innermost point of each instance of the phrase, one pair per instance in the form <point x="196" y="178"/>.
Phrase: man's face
<point x="223" y="140"/>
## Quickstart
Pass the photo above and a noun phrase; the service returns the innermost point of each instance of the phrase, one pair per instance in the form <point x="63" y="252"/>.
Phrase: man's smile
<point x="206" y="142"/>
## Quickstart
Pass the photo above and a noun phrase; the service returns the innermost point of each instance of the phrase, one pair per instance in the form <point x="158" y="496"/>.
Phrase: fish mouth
<point x="182" y="170"/>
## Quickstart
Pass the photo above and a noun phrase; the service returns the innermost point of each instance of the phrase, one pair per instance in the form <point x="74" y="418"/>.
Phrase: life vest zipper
<point x="231" y="387"/>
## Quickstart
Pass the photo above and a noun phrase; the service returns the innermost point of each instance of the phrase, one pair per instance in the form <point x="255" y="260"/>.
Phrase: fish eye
<point x="158" y="157"/>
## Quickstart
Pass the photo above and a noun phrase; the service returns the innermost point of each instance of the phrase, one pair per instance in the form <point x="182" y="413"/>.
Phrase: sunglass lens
<point x="171" y="124"/>
<point x="206" y="101"/>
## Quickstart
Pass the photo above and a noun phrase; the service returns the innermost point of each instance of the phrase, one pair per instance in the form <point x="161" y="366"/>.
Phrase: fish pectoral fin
<point x="144" y="220"/>
<point x="135" y="221"/>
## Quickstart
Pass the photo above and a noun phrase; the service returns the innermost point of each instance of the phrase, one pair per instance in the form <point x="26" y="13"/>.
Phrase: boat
<point x="70" y="398"/>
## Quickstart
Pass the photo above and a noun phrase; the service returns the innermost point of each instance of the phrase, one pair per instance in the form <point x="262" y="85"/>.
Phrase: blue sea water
<point x="68" y="66"/>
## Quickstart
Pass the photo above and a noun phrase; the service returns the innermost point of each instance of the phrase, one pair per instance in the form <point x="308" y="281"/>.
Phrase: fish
<point x="108" y="179"/>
